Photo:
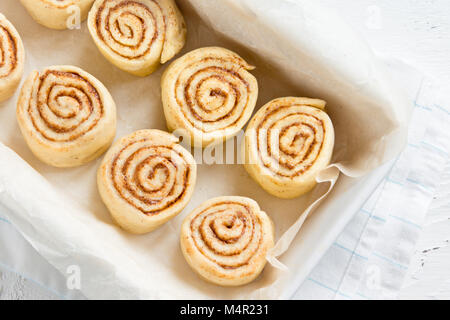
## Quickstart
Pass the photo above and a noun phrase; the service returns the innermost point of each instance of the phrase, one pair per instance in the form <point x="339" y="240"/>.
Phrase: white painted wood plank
<point x="417" y="31"/>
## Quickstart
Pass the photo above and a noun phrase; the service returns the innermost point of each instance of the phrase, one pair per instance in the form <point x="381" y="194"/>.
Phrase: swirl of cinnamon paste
<point x="208" y="93"/>
<point x="66" y="116"/>
<point x="226" y="239"/>
<point x="58" y="14"/>
<point x="12" y="58"/>
<point x="145" y="179"/>
<point x="287" y="143"/>
<point x="137" y="35"/>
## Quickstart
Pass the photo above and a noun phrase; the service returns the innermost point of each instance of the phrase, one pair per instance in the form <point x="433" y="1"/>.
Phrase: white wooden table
<point x="419" y="33"/>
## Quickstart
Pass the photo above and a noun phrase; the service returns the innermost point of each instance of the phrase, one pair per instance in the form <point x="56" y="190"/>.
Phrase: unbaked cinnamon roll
<point x="137" y="35"/>
<point x="287" y="143"/>
<point x="209" y="94"/>
<point x="58" y="14"/>
<point x="226" y="239"/>
<point x="66" y="116"/>
<point x="12" y="56"/>
<point x="146" y="179"/>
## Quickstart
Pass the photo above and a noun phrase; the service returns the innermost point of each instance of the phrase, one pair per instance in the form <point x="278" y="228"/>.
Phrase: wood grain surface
<point x="417" y="31"/>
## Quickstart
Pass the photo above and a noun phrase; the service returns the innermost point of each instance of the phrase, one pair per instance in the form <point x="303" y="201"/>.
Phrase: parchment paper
<point x="298" y="48"/>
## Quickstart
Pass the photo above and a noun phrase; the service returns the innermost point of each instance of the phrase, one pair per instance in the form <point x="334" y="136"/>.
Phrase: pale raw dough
<point x="208" y="95"/>
<point x="58" y="14"/>
<point x="226" y="239"/>
<point x="12" y="60"/>
<point x="146" y="179"/>
<point x="287" y="142"/>
<point x="137" y="35"/>
<point x="66" y="116"/>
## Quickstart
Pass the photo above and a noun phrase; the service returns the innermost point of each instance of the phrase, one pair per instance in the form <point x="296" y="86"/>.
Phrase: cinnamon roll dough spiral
<point x="12" y="57"/>
<point x="287" y="143"/>
<point x="226" y="239"/>
<point x="66" y="116"/>
<point x="58" y="14"/>
<point x="146" y="179"/>
<point x="209" y="94"/>
<point x="137" y="35"/>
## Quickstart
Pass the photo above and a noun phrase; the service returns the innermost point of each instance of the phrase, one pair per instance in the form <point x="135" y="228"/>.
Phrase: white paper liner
<point x="298" y="48"/>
